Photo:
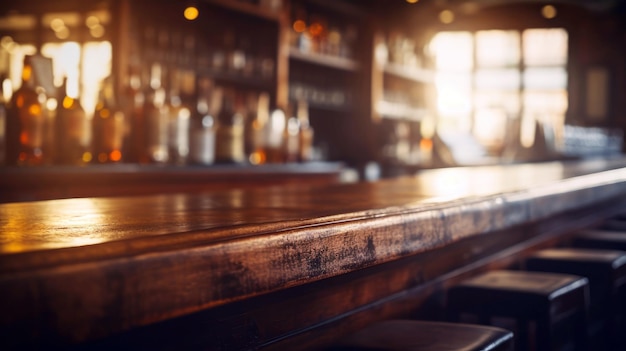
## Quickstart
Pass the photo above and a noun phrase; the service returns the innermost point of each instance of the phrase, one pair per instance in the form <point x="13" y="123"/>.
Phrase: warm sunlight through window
<point x="488" y="81"/>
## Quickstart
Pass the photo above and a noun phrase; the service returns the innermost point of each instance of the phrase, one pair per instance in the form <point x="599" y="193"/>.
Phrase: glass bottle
<point x="274" y="147"/>
<point x="156" y="118"/>
<point x="292" y="137"/>
<point x="25" y="125"/>
<point x="203" y="125"/>
<point x="306" y="133"/>
<point x="3" y="119"/>
<point x="132" y="102"/>
<point x="70" y="134"/>
<point x="179" y="118"/>
<point x="108" y="127"/>
<point x="229" y="143"/>
<point x="258" y="115"/>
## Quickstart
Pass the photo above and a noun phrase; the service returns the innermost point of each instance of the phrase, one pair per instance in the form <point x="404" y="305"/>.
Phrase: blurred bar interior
<point x="179" y="107"/>
<point x="384" y="87"/>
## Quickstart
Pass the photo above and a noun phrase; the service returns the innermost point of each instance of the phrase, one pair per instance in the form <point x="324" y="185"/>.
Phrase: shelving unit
<point x="340" y="63"/>
<point x="248" y="8"/>
<point x="415" y="74"/>
<point x="345" y="85"/>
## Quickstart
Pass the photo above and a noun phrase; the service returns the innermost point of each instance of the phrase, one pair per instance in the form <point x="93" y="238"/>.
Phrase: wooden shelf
<point x="415" y="74"/>
<point x="330" y="107"/>
<point x="249" y="9"/>
<point x="339" y="7"/>
<point x="400" y="111"/>
<point x="339" y="63"/>
<point x="237" y="79"/>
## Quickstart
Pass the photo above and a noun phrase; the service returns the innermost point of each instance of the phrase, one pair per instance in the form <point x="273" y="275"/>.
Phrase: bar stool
<point x="412" y="335"/>
<point x="600" y="239"/>
<point x="606" y="271"/>
<point x="556" y="303"/>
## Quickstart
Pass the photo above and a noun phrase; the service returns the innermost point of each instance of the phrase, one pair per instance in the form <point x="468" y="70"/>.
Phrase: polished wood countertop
<point x="57" y="181"/>
<point x="81" y="269"/>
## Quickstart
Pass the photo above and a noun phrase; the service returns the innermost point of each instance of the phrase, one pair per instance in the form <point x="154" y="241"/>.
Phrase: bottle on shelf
<point x="3" y="118"/>
<point x="108" y="126"/>
<point x="72" y="145"/>
<point x="255" y="131"/>
<point x="179" y="119"/>
<point x="306" y="132"/>
<point x="134" y="106"/>
<point x="203" y="125"/>
<point x="156" y="118"/>
<point x="26" y="122"/>
<point x="291" y="140"/>
<point x="229" y="143"/>
<point x="275" y="129"/>
<point x="300" y="38"/>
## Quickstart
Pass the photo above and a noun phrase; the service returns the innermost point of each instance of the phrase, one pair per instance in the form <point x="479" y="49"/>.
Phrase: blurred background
<point x="387" y="87"/>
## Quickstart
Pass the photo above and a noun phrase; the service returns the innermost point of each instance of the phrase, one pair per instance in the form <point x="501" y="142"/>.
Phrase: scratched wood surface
<point x="81" y="269"/>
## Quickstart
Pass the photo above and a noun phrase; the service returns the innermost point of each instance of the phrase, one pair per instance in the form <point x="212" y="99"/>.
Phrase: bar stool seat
<point x="600" y="239"/>
<point x="557" y="303"/>
<point x="412" y="335"/>
<point x="606" y="271"/>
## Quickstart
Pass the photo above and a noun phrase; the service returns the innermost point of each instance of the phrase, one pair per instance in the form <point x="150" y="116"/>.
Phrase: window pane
<point x="497" y="48"/>
<point x="65" y="62"/>
<point x="490" y="126"/>
<point x="509" y="101"/>
<point x="545" y="78"/>
<point x="454" y="103"/>
<point x="97" y="59"/>
<point x="453" y="51"/>
<point x="545" y="46"/>
<point x="548" y="109"/>
<point x="539" y="102"/>
<point x="453" y="93"/>
<point x="498" y="79"/>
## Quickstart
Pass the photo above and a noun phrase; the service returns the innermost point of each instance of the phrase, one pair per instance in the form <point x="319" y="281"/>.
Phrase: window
<point x="487" y="79"/>
<point x="77" y="43"/>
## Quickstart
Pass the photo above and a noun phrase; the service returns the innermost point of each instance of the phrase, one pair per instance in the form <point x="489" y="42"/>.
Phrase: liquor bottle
<point x="275" y="129"/>
<point x="179" y="118"/>
<point x="3" y="119"/>
<point x="229" y="143"/>
<point x="156" y="118"/>
<point x="108" y="126"/>
<point x="306" y="133"/>
<point x="300" y="37"/>
<point x="255" y="131"/>
<point x="203" y="125"/>
<point x="291" y="137"/>
<point x="70" y="129"/>
<point x="25" y="125"/>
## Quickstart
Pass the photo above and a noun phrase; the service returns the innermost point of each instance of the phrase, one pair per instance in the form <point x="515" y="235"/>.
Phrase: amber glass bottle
<point x="3" y="120"/>
<point x="229" y="143"/>
<point x="255" y="131"/>
<point x="108" y="127"/>
<point x="26" y="121"/>
<point x="306" y="132"/>
<point x="70" y="134"/>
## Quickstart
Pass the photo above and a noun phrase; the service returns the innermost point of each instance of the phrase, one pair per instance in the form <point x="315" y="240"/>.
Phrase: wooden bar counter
<point x="288" y="267"/>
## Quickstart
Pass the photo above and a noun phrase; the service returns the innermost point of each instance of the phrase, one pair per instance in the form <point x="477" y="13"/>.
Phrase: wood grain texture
<point x="82" y="269"/>
<point x="58" y="182"/>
